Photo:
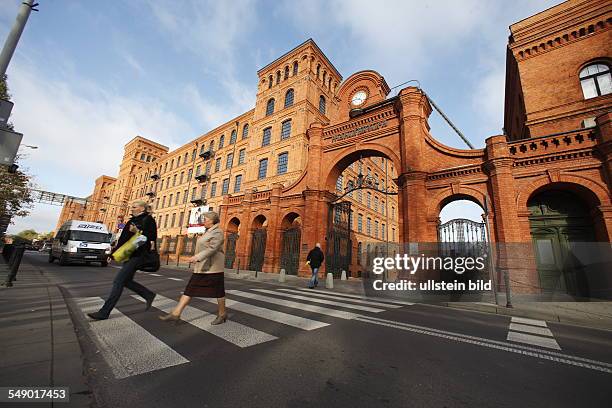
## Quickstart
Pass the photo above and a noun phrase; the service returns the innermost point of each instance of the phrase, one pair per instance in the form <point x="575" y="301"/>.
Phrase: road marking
<point x="176" y="279"/>
<point x="539" y="335"/>
<point x="534" y="340"/>
<point x="233" y="332"/>
<point x="364" y="302"/>
<point x="399" y="302"/>
<point x="155" y="274"/>
<point x="295" y="305"/>
<point x="327" y="302"/>
<point x="499" y="345"/>
<point x="127" y="347"/>
<point x="524" y="320"/>
<point x="274" y="315"/>
<point x="543" y="331"/>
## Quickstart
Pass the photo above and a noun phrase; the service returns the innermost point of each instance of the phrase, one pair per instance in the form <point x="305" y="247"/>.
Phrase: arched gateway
<point x="429" y="175"/>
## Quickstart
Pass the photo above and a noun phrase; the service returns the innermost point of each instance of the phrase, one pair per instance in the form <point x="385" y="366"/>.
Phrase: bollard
<point x="343" y="276"/>
<point x="167" y="258"/>
<point x="282" y="275"/>
<point x="238" y="268"/>
<point x="14" y="267"/>
<point x="329" y="282"/>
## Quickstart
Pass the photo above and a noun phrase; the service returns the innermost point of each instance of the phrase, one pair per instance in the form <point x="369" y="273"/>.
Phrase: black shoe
<point x="97" y="316"/>
<point x="150" y="302"/>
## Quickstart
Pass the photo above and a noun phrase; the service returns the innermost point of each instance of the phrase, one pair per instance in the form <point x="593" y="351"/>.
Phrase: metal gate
<point x="172" y="245"/>
<point x="258" y="249"/>
<point x="230" y="249"/>
<point x="338" y="256"/>
<point x="463" y="238"/>
<point x="290" y="251"/>
<point x="189" y="245"/>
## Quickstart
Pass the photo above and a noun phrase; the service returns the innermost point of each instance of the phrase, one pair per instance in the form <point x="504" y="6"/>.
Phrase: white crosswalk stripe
<point x="127" y="347"/>
<point x="274" y="315"/>
<point x="323" y="301"/>
<point x="398" y="302"/>
<point x="328" y="296"/>
<point x="530" y="331"/>
<point x="176" y="279"/>
<point x="233" y="332"/>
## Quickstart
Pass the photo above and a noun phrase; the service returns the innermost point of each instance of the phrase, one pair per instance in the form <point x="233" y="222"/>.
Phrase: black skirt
<point x="209" y="285"/>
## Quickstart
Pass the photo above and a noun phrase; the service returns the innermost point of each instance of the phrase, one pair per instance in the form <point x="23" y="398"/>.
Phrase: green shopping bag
<point x="126" y="250"/>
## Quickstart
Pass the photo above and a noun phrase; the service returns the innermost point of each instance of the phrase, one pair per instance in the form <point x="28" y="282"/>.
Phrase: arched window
<point x="221" y="141"/>
<point x="295" y="68"/>
<point x="286" y="129"/>
<point x="278" y="77"/>
<point x="270" y="82"/>
<point x="202" y="149"/>
<point x="267" y="134"/>
<point x="270" y="107"/>
<point x="233" y="137"/>
<point x="595" y="80"/>
<point x="287" y="72"/>
<point x="318" y="70"/>
<point x="322" y="104"/>
<point x="211" y="146"/>
<point x="245" y="131"/>
<point x="289" y="98"/>
<point x="324" y="76"/>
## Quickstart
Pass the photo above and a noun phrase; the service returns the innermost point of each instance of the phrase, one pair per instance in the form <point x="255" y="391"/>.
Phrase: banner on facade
<point x="196" y="223"/>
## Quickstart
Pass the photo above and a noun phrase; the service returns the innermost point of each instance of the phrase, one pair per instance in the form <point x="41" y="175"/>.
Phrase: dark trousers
<point x="125" y="277"/>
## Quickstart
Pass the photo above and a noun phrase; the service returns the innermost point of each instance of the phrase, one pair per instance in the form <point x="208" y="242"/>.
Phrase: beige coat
<point x="209" y="251"/>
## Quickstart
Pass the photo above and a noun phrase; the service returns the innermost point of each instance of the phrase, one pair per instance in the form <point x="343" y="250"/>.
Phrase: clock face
<point x="359" y="98"/>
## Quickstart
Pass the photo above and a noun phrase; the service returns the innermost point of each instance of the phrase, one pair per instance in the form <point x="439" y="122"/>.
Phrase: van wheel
<point x="63" y="260"/>
<point x="51" y="258"/>
<point x="104" y="264"/>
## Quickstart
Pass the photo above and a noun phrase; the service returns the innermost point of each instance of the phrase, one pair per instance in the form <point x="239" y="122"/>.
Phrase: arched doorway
<point x="290" y="243"/>
<point x="231" y="238"/>
<point x="558" y="219"/>
<point x="258" y="243"/>
<point x="461" y="228"/>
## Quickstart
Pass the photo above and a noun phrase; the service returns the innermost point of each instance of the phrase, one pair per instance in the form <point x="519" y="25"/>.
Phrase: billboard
<point x="195" y="225"/>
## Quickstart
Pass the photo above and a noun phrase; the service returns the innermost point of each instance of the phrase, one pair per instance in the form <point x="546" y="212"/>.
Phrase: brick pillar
<point x="274" y="230"/>
<point x="314" y="227"/>
<point x="514" y="251"/>
<point x="413" y="203"/>
<point x="604" y="131"/>
<point x="243" y="246"/>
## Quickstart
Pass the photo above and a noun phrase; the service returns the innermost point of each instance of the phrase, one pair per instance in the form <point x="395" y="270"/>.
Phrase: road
<point x="286" y="346"/>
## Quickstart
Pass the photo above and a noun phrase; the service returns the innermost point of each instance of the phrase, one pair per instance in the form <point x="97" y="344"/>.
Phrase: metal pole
<point x="491" y="250"/>
<point x="467" y="142"/>
<point x="13" y="38"/>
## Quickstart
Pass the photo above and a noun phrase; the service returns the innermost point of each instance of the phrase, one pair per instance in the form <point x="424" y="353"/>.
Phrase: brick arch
<point x="582" y="185"/>
<point x="284" y="216"/>
<point x="257" y="217"/>
<point x="350" y="154"/>
<point x="229" y="226"/>
<point x="447" y="196"/>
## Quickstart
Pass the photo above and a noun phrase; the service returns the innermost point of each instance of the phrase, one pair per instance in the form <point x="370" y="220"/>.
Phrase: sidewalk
<point x="39" y="346"/>
<point x="597" y="315"/>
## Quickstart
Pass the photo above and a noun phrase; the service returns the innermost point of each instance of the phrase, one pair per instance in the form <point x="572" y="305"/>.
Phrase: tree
<point x="5" y="94"/>
<point x="28" y="234"/>
<point x="46" y="237"/>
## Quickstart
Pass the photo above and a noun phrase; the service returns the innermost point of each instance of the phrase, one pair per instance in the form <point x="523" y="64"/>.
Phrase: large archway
<point x="259" y="235"/>
<point x="291" y="232"/>
<point x="559" y="219"/>
<point x="232" y="234"/>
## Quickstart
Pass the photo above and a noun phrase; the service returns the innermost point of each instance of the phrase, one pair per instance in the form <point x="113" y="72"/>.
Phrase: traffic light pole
<point x="13" y="38"/>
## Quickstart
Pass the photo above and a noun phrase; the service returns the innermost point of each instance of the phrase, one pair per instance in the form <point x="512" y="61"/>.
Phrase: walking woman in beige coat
<point x="207" y="278"/>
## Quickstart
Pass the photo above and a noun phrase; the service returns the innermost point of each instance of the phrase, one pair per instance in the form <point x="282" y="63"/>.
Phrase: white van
<point x="81" y="241"/>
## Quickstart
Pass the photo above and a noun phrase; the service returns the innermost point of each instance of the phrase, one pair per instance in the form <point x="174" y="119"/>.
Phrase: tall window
<point x="213" y="189"/>
<point x="270" y="82"/>
<point x="202" y="149"/>
<point x="182" y="177"/>
<point x="241" y="155"/>
<point x="193" y="155"/>
<point x="286" y="129"/>
<point x="207" y="169"/>
<point x="170" y="200"/>
<point x="369" y="200"/>
<point x="189" y="174"/>
<point x="270" y="107"/>
<point x="211" y="146"/>
<point x="263" y="169"/>
<point x="185" y="197"/>
<point x="193" y="193"/>
<point x="283" y="159"/>
<point x="339" y="183"/>
<point x="166" y="221"/>
<point x="376" y="204"/>
<point x="369" y="226"/>
<point x="376" y="229"/>
<point x="359" y="223"/>
<point x="173" y="220"/>
<point x="233" y="137"/>
<point x="230" y="161"/>
<point x="278" y="77"/>
<point x="174" y="180"/>
<point x="286" y="73"/>
<point x="221" y="141"/>
<point x="217" y="164"/>
<point x="289" y="98"/>
<point x="225" y="186"/>
<point x="382" y="207"/>
<point x="267" y="133"/>
<point x="595" y="80"/>
<point x="384" y="231"/>
<point x="360" y="196"/>
<point x="245" y="131"/>
<point x="238" y="183"/>
<point x="322" y="104"/>
<point x="180" y="220"/>
<point x="349" y="187"/>
<point x="198" y="170"/>
<point x="178" y="198"/>
<point x="163" y="201"/>
<point x="295" y="68"/>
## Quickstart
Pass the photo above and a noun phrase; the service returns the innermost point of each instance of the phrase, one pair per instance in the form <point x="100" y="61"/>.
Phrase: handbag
<point x="150" y="262"/>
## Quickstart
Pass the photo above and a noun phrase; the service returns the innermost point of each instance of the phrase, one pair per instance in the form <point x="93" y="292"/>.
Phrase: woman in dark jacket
<point x="141" y="221"/>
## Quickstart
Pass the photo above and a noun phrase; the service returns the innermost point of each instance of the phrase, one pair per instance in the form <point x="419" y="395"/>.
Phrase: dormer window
<point x="595" y="80"/>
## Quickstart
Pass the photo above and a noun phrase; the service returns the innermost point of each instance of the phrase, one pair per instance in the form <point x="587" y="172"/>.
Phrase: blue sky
<point x="89" y="76"/>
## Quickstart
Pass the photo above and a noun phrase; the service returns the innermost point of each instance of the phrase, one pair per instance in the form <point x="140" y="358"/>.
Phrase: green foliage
<point x="28" y="234"/>
<point x="15" y="191"/>
<point x="4" y="91"/>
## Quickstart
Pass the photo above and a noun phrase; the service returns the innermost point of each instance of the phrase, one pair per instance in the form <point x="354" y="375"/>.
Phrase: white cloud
<point x="133" y="62"/>
<point x="42" y="218"/>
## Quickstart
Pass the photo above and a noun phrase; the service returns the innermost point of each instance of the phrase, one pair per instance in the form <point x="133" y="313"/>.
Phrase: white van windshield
<point x="88" y="236"/>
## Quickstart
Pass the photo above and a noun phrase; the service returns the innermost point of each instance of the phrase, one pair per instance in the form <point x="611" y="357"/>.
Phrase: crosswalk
<point x="530" y="331"/>
<point x="130" y="349"/>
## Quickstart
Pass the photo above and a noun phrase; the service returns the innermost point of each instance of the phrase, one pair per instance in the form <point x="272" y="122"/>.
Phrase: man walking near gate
<point x="315" y="259"/>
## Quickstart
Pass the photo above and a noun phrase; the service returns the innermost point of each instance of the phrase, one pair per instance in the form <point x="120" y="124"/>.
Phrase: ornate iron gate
<point x="258" y="249"/>
<point x="230" y="249"/>
<point x="462" y="237"/>
<point x="172" y="245"/>
<point x="189" y="245"/>
<point x="338" y="256"/>
<point x="290" y="253"/>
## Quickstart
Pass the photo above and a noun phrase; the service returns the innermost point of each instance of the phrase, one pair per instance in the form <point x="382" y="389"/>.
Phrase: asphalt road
<point x="288" y="347"/>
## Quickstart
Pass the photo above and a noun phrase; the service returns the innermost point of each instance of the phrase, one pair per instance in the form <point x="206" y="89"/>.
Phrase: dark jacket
<point x="316" y="257"/>
<point x="146" y="224"/>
